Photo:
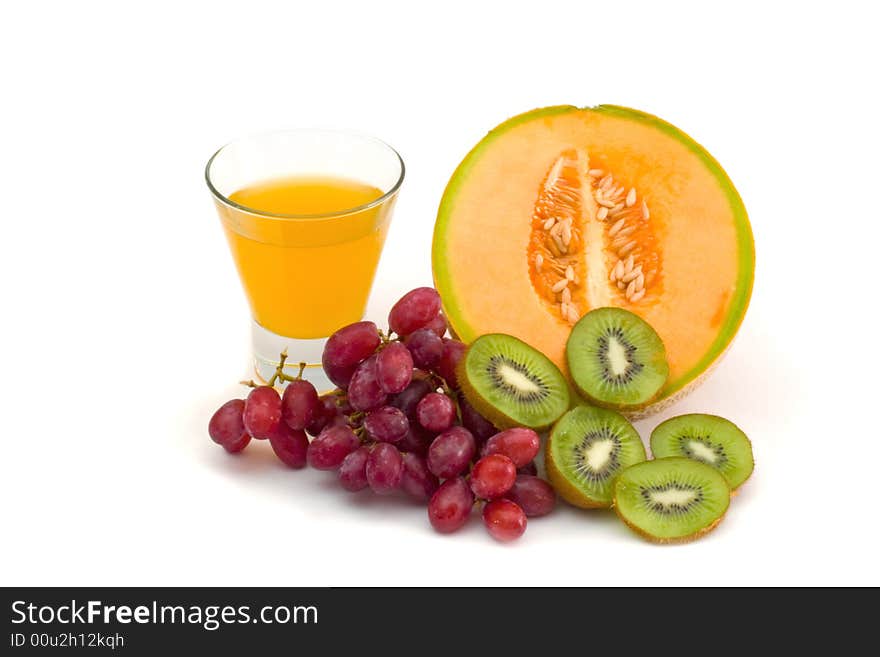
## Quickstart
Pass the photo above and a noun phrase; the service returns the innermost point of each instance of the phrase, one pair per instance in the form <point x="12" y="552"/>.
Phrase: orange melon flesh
<point x="696" y="242"/>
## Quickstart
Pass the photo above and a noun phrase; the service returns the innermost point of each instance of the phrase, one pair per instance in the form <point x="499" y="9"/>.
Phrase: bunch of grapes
<point x="397" y="422"/>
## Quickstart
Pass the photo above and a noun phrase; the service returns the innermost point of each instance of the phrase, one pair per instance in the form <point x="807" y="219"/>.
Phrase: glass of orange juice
<point x="305" y="213"/>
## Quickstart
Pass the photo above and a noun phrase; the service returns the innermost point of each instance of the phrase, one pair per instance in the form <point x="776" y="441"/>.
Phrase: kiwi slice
<point x="708" y="439"/>
<point x="671" y="500"/>
<point x="511" y="383"/>
<point x="586" y="451"/>
<point x="616" y="359"/>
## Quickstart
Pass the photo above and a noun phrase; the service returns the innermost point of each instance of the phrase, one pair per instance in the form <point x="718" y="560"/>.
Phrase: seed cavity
<point x="671" y="499"/>
<point x="515" y="379"/>
<point x="701" y="448"/>
<point x="632" y="275"/>
<point x="626" y="248"/>
<point x="556" y="232"/>
<point x="627" y="215"/>
<point x="560" y="285"/>
<point x="560" y="224"/>
<point x="617" y="357"/>
<point x="598" y="455"/>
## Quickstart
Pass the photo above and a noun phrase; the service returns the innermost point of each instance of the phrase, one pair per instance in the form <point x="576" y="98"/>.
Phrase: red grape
<point x="386" y="424"/>
<point x="299" y="404"/>
<point x="436" y="412"/>
<point x="528" y="469"/>
<point x="346" y="348"/>
<point x="519" y="444"/>
<point x="414" y="310"/>
<point x="492" y="476"/>
<point x="384" y="468"/>
<point x="438" y="325"/>
<point x="340" y="376"/>
<point x="394" y="368"/>
<point x="262" y="412"/>
<point x="451" y="452"/>
<point x="453" y="352"/>
<point x="364" y="392"/>
<point x="417" y="480"/>
<point x="425" y="346"/>
<point x="450" y="505"/>
<point x="290" y="445"/>
<point x="534" y="495"/>
<point x="226" y="426"/>
<point x="504" y="520"/>
<point x="326" y="412"/>
<point x="332" y="445"/>
<point x="353" y="471"/>
<point x="340" y="420"/>
<point x="237" y="445"/>
<point x="415" y="440"/>
<point x="409" y="398"/>
<point x="474" y="422"/>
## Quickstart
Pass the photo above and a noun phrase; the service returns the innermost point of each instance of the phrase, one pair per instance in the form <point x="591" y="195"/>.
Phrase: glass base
<point x="267" y="348"/>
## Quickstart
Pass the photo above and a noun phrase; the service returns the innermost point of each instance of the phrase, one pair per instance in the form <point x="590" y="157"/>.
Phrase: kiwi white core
<point x="702" y="452"/>
<point x="598" y="454"/>
<point x="617" y="359"/>
<point x="673" y="497"/>
<point x="517" y="379"/>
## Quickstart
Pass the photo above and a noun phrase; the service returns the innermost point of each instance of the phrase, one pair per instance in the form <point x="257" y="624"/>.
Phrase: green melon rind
<point x="464" y="330"/>
<point x="674" y="389"/>
<point x="744" y="238"/>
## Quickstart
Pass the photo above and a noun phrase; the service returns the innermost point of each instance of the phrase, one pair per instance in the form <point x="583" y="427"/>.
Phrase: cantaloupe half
<point x="564" y="209"/>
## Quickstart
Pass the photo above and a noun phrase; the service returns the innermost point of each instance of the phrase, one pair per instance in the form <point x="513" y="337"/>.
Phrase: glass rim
<point x="321" y="215"/>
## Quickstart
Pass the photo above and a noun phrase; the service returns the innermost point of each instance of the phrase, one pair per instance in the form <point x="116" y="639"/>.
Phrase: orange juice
<point x="310" y="272"/>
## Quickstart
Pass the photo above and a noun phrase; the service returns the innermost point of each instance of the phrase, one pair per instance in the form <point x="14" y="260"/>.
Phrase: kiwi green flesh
<point x="708" y="439"/>
<point x="671" y="499"/>
<point x="513" y="383"/>
<point x="616" y="359"/>
<point x="590" y="446"/>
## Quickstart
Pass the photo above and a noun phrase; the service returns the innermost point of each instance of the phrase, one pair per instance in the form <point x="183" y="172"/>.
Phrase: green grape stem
<point x="279" y="374"/>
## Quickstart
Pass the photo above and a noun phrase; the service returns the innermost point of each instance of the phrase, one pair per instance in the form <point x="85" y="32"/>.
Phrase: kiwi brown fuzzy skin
<point x="564" y="488"/>
<point x="670" y="541"/>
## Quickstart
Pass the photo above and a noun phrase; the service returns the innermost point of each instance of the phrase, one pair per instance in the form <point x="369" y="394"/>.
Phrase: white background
<point x="124" y="325"/>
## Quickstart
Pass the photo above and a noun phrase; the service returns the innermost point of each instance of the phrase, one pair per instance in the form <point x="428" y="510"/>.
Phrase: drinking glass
<point x="304" y="273"/>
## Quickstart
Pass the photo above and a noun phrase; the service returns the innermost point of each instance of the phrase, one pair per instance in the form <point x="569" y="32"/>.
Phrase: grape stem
<point x="279" y="373"/>
<point x="386" y="337"/>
